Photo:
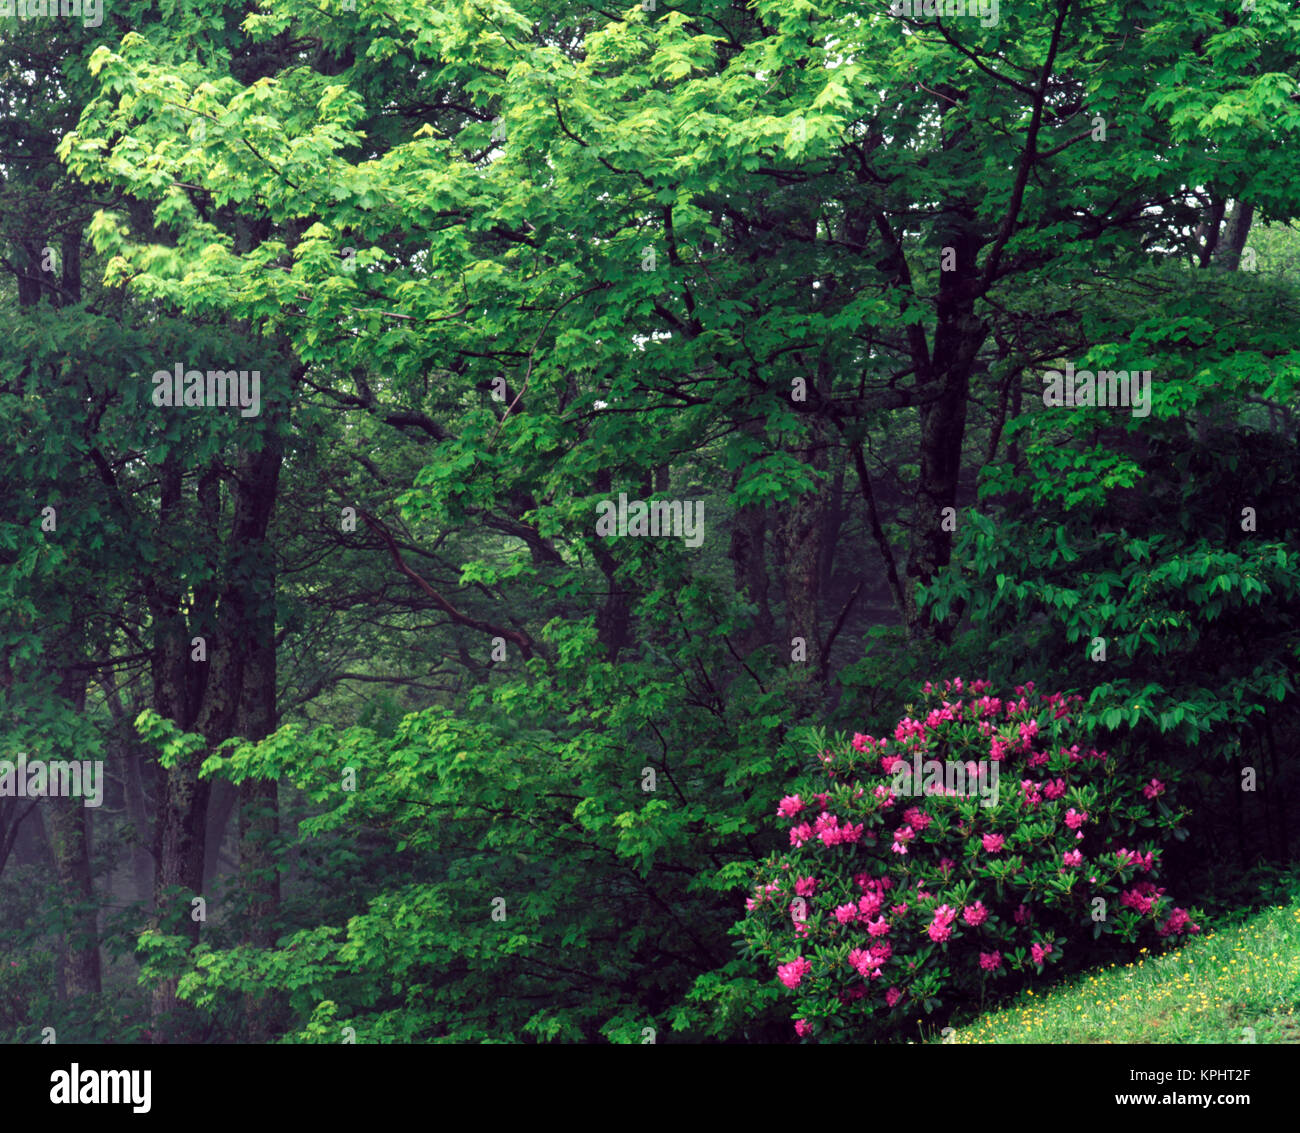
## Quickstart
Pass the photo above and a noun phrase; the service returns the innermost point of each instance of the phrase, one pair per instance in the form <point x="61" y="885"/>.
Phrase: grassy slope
<point x="1211" y="990"/>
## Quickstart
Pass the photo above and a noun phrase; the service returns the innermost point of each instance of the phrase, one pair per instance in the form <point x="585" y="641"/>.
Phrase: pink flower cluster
<point x="868" y="961"/>
<point x="1179" y="921"/>
<point x="1028" y="730"/>
<point x="946" y="714"/>
<point x="1141" y="898"/>
<point x="1144" y="862"/>
<point x="866" y="743"/>
<point x="878" y="940"/>
<point x="869" y="884"/>
<point x="829" y="830"/>
<point x="907" y="728"/>
<point x="917" y="819"/>
<point x="941" y="927"/>
<point x="1060" y="703"/>
<point x="792" y="974"/>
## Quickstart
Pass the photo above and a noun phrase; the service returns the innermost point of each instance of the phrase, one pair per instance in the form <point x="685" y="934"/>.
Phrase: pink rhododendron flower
<point x="892" y="996"/>
<point x="941" y="927"/>
<point x="802" y="1028"/>
<point x="975" y="915"/>
<point x="1021" y="915"/>
<point x="792" y="974"/>
<point x="990" y="961"/>
<point x="1074" y="857"/>
<point x="846" y="914"/>
<point x="805" y="886"/>
<point x="1055" y="789"/>
<point x="1179" y="921"/>
<point x="862" y="742"/>
<point x="1144" y="862"/>
<point x="907" y="727"/>
<point x="878" y="927"/>
<point x="1141" y="898"/>
<point x="800" y="834"/>
<point x="864" y="961"/>
<point x="1075" y="818"/>
<point x="761" y="894"/>
<point x="1039" y="951"/>
<point x="899" y="910"/>
<point x="1030" y="791"/>
<point x="993" y="842"/>
<point x="789" y="806"/>
<point x="917" y="819"/>
<point x="1153" y="788"/>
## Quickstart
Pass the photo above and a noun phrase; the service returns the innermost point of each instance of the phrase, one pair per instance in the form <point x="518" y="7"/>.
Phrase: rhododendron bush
<point x="900" y="895"/>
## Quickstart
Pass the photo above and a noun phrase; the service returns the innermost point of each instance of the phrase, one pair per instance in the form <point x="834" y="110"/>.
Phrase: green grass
<point x="1210" y="990"/>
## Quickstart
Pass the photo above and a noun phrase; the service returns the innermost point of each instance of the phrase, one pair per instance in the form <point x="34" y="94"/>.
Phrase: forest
<point x="718" y="522"/>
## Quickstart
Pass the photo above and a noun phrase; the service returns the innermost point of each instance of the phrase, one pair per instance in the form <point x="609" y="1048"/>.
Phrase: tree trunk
<point x="69" y="832"/>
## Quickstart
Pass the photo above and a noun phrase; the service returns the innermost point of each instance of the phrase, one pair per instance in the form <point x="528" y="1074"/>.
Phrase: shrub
<point x="1018" y="843"/>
